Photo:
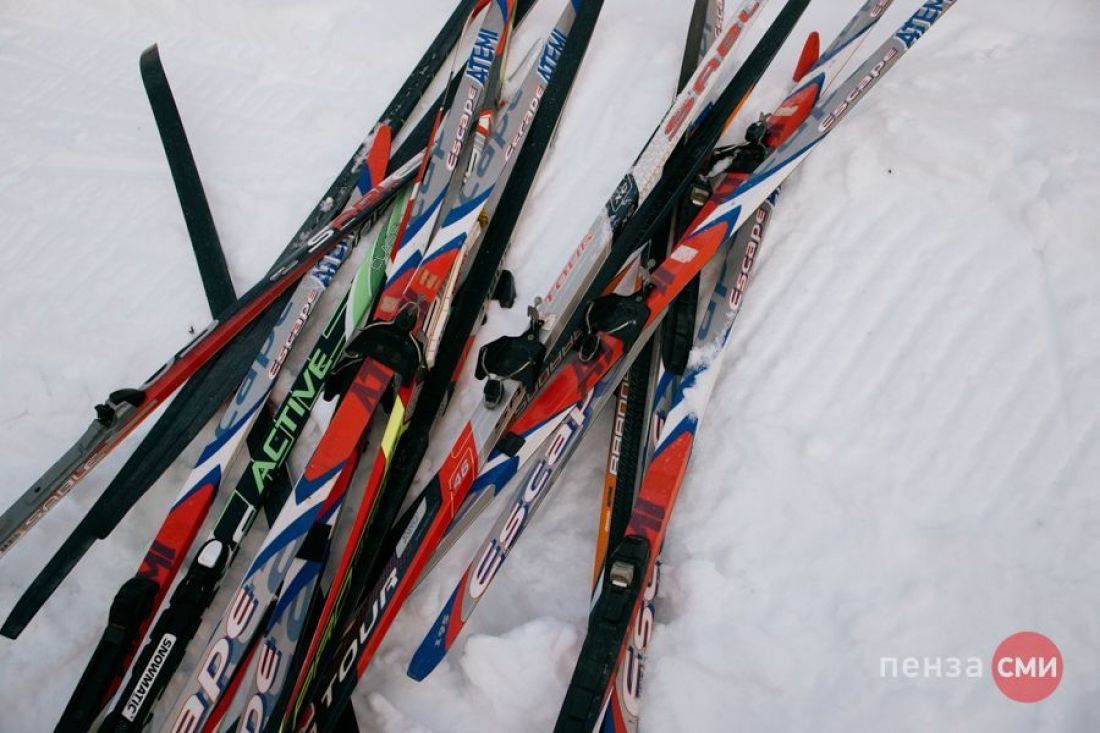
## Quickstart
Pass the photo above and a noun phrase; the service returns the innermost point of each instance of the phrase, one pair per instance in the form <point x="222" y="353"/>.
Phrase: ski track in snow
<point x="900" y="454"/>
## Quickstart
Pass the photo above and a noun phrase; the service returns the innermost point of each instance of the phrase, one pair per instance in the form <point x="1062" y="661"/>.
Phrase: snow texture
<point x="900" y="457"/>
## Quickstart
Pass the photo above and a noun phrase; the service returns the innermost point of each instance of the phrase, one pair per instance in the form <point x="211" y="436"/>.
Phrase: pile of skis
<point x="625" y="322"/>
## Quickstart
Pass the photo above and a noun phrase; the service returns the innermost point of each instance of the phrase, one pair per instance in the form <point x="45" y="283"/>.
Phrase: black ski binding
<point x="620" y="316"/>
<point x="343" y="372"/>
<point x="393" y="344"/>
<point x="511" y="357"/>
<point x="389" y="342"/>
<point x="106" y="412"/>
<point x="133" y="603"/>
<point x="744" y="157"/>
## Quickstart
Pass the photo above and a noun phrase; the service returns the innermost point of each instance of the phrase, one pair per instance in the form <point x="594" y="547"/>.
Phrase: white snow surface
<point x="900" y="456"/>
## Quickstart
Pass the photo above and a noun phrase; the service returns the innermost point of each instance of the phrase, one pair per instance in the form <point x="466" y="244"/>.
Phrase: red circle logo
<point x="1027" y="667"/>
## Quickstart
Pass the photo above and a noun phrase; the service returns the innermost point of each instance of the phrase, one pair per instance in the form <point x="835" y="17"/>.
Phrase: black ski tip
<point x="213" y="269"/>
<point x="18" y="619"/>
<point x="10" y="631"/>
<point x="149" y="56"/>
<point x="45" y="583"/>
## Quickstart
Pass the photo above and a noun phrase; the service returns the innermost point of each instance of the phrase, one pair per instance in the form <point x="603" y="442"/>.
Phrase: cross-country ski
<point x="827" y="315"/>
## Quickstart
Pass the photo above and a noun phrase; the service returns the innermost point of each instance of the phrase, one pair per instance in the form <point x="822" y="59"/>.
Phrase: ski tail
<point x="375" y="163"/>
<point x="854" y="32"/>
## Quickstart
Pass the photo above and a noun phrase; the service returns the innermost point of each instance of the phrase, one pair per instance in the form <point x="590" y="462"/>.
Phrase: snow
<point x="899" y="458"/>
